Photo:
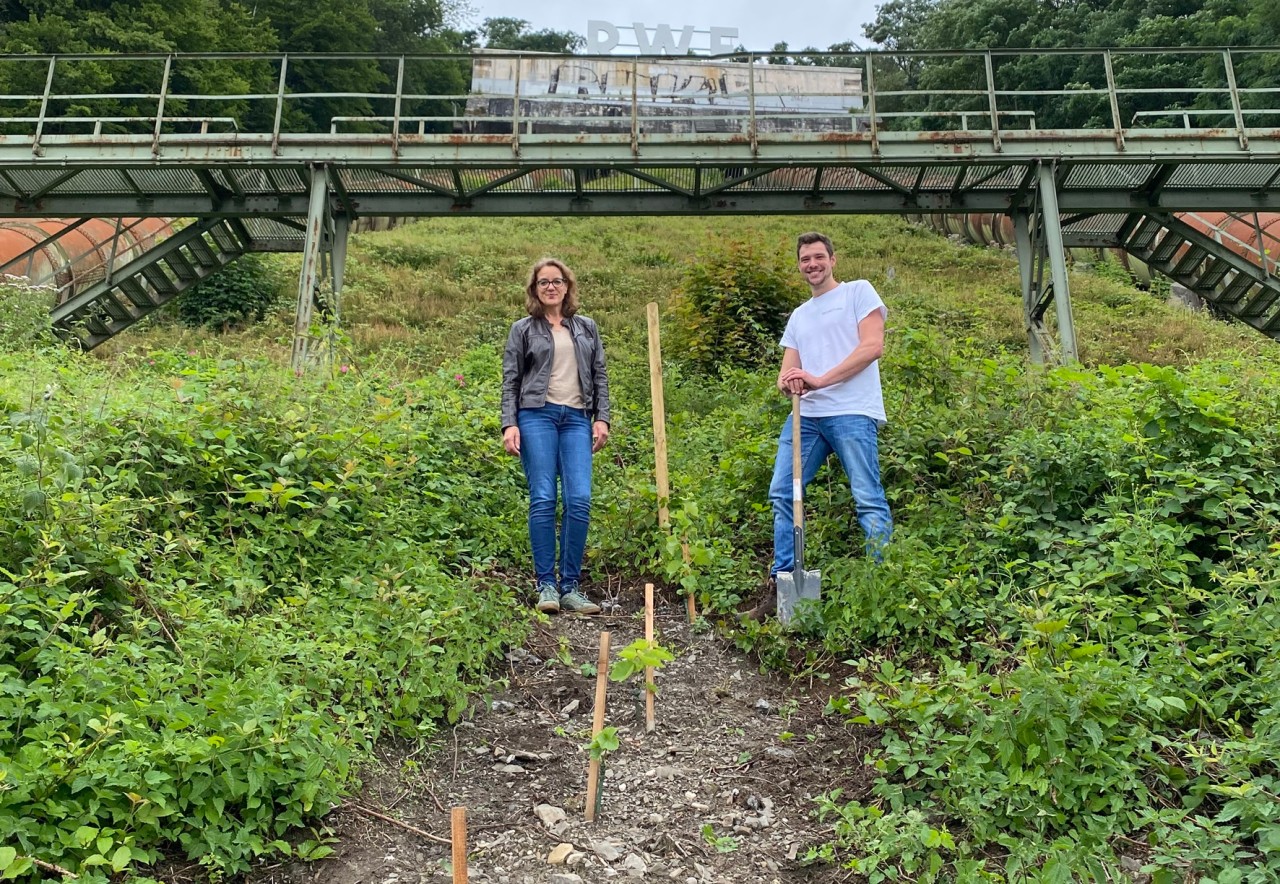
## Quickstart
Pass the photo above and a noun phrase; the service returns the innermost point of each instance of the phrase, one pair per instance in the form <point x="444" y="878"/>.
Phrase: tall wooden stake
<point x="661" y="479"/>
<point x="597" y="725"/>
<point x="659" y="418"/>
<point x="458" y="824"/>
<point x="649" y="722"/>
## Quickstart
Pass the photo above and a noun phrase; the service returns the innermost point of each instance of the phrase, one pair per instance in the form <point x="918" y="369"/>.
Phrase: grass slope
<point x="1070" y="648"/>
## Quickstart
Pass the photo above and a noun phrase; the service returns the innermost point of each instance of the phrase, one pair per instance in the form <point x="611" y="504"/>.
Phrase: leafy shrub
<point x="215" y="601"/>
<point x="733" y="304"/>
<point x="1086" y="598"/>
<point x="243" y="291"/>
<point x="24" y="314"/>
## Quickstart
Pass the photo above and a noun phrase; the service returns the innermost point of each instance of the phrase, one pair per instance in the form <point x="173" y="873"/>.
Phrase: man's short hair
<point x="806" y="239"/>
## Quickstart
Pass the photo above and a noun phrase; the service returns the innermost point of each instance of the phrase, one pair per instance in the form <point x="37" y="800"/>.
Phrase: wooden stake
<point x="458" y="824"/>
<point x="597" y="725"/>
<point x="649" y="722"/>
<point x="659" y="418"/>
<point x="661" y="479"/>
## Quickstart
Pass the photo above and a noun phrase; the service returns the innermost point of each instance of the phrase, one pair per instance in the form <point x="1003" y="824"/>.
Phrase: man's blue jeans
<point x="555" y="444"/>
<point x="853" y="438"/>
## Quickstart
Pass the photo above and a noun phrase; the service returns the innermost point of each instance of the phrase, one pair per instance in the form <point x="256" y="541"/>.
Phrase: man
<point x="831" y="349"/>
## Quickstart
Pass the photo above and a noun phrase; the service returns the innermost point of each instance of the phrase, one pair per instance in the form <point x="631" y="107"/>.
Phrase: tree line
<point x="355" y="27"/>
<point x="922" y="26"/>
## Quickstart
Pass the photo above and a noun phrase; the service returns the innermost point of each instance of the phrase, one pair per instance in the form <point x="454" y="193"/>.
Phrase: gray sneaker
<point x="578" y="603"/>
<point x="548" y="598"/>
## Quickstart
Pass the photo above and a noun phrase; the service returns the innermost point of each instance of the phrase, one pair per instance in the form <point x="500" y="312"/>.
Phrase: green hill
<point x="222" y="583"/>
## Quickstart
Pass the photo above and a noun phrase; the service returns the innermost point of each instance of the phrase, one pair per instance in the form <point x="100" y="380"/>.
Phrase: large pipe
<point x="71" y="254"/>
<point x="1257" y="239"/>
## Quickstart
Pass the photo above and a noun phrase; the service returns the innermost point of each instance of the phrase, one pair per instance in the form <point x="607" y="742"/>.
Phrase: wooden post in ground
<point x="649" y="722"/>
<point x="661" y="479"/>
<point x="458" y="825"/>
<point x="597" y="725"/>
<point x="659" y="418"/>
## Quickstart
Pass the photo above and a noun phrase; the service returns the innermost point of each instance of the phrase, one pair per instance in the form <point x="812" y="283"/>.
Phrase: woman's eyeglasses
<point x="548" y="283"/>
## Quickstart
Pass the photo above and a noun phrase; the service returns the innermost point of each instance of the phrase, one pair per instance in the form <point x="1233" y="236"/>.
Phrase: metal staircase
<point x="1235" y="285"/>
<point x="151" y="280"/>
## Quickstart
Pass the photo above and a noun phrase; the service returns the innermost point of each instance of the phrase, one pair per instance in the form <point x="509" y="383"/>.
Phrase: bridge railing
<point x="521" y="97"/>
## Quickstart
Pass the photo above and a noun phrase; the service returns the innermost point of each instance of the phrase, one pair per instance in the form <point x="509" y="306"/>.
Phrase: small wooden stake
<point x="597" y="725"/>
<point x="458" y="823"/>
<point x="649" y="722"/>
<point x="659" y="417"/>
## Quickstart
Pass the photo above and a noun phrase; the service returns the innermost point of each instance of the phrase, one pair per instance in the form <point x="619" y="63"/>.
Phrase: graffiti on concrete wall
<point x="677" y="81"/>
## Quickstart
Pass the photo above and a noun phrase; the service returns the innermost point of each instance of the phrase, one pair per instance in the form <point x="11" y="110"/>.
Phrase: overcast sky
<point x="760" y="23"/>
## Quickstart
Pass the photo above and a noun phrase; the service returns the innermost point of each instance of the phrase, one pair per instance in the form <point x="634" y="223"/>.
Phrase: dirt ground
<point x="720" y="791"/>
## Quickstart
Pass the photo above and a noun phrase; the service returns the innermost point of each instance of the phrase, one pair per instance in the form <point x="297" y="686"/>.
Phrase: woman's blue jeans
<point x="555" y="444"/>
<point x="853" y="438"/>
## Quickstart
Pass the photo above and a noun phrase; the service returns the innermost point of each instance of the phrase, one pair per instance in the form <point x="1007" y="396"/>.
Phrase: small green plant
<point x="638" y="656"/>
<point x="316" y="847"/>
<point x="603" y="743"/>
<point x="721" y="843"/>
<point x="564" y="655"/>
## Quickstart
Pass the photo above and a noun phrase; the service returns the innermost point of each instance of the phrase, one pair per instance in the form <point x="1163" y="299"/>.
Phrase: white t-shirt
<point x="824" y="330"/>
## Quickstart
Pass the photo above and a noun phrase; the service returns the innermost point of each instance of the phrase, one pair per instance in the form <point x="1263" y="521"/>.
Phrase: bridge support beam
<point x="1032" y="311"/>
<point x="309" y="277"/>
<point x="1052" y="225"/>
<point x="337" y="270"/>
<point x="1038" y="235"/>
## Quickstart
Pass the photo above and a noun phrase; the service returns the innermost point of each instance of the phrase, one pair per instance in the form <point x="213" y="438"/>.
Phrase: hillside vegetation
<point x="222" y="583"/>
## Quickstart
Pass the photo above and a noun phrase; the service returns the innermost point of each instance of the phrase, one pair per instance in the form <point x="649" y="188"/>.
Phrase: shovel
<point x="800" y="585"/>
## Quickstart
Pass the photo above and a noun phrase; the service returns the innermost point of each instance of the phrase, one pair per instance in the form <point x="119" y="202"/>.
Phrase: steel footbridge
<point x="239" y="147"/>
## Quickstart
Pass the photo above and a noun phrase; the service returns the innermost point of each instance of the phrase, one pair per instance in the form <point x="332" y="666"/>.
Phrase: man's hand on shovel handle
<point x="797" y="381"/>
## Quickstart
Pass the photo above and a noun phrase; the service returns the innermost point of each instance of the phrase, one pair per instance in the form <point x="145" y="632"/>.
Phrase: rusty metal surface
<point x="69" y="254"/>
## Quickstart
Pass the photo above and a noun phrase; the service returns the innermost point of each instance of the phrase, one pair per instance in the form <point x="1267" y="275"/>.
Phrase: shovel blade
<point x="794" y="589"/>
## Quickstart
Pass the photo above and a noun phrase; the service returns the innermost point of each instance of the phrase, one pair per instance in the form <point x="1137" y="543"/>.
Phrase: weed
<point x="721" y="843"/>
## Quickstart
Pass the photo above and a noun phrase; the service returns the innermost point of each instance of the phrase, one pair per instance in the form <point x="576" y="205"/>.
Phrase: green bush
<point x="244" y="291"/>
<point x="214" y="601"/>
<point x="24" y="314"/>
<point x="733" y="304"/>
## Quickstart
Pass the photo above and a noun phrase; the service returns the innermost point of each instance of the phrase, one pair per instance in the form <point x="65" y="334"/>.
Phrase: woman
<point x="555" y="415"/>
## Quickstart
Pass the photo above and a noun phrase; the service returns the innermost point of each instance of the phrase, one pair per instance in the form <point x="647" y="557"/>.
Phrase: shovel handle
<point x="797" y="482"/>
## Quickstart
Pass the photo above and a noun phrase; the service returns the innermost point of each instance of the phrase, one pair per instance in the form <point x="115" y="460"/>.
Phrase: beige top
<point x="564" y="388"/>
